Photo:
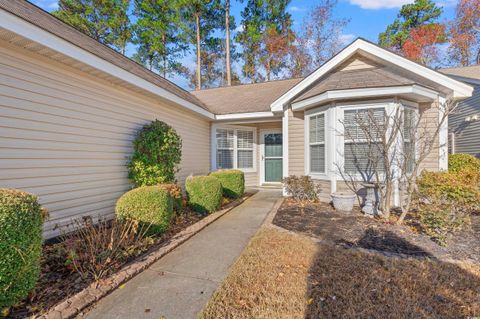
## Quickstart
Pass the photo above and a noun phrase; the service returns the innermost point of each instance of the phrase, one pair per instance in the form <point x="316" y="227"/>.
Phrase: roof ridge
<point x="245" y="84"/>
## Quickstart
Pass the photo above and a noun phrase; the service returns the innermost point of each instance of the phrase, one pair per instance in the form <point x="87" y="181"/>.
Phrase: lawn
<point x="283" y="275"/>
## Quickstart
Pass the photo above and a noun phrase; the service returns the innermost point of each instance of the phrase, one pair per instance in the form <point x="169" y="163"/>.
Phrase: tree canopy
<point x="411" y="16"/>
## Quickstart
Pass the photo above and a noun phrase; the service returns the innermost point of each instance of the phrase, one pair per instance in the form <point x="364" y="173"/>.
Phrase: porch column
<point x="285" y="146"/>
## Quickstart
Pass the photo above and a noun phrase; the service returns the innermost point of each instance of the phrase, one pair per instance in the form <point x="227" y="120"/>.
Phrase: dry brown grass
<point x="281" y="275"/>
<point x="269" y="280"/>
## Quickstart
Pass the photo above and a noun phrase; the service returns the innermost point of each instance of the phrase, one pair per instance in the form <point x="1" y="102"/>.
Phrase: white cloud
<point x="296" y="9"/>
<point x="379" y="4"/>
<point x="347" y="38"/>
<point x="239" y="28"/>
<point x="48" y="5"/>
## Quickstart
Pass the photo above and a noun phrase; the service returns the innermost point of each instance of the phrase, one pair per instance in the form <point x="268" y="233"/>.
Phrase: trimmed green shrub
<point x="21" y="219"/>
<point x="204" y="193"/>
<point x="461" y="189"/>
<point x="157" y="153"/>
<point x="232" y="180"/>
<point x="151" y="205"/>
<point x="176" y="193"/>
<point x="461" y="162"/>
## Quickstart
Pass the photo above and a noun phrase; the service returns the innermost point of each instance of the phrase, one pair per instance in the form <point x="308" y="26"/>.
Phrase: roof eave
<point x="34" y="33"/>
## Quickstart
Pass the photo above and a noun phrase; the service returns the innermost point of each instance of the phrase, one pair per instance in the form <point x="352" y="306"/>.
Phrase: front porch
<point x="256" y="148"/>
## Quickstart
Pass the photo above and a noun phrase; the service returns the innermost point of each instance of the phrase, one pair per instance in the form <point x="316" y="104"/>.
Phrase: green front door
<point x="273" y="157"/>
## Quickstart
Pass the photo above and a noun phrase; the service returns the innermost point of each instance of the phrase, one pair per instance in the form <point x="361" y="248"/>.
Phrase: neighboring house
<point x="70" y="108"/>
<point x="464" y="124"/>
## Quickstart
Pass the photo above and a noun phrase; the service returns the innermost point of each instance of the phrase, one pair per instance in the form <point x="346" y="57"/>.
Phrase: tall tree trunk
<point x="164" y="57"/>
<point x="227" y="42"/>
<point x="198" y="84"/>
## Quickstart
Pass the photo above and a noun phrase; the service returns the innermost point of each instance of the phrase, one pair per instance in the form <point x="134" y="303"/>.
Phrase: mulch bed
<point x="322" y="221"/>
<point x="59" y="281"/>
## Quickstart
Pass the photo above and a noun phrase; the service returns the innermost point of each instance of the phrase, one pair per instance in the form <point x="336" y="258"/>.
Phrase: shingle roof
<point x="48" y="22"/>
<point x="244" y="98"/>
<point x="355" y="79"/>
<point x="472" y="71"/>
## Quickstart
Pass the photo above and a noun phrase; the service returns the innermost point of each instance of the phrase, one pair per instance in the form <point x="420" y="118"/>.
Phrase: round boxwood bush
<point x="460" y="162"/>
<point x="21" y="219"/>
<point x="157" y="153"/>
<point x="204" y="193"/>
<point x="232" y="180"/>
<point x="150" y="205"/>
<point x="176" y="193"/>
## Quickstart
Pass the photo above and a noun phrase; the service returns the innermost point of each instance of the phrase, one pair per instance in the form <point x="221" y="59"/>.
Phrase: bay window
<point x="235" y="148"/>
<point x="363" y="149"/>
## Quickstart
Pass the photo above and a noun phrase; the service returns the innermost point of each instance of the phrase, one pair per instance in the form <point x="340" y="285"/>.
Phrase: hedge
<point x="232" y="180"/>
<point x="21" y="219"/>
<point x="176" y="193"/>
<point x="157" y="151"/>
<point x="150" y="205"/>
<point x="462" y="162"/>
<point x="204" y="193"/>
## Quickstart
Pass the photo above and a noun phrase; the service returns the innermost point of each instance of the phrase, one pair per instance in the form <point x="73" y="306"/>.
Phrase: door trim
<point x="262" y="155"/>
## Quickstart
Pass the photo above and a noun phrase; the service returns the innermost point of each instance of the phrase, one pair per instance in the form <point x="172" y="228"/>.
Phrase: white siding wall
<point x="66" y="136"/>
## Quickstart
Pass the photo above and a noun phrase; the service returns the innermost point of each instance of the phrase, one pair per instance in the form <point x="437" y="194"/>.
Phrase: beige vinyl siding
<point x="66" y="136"/>
<point x="296" y="141"/>
<point x="357" y="62"/>
<point x="429" y="118"/>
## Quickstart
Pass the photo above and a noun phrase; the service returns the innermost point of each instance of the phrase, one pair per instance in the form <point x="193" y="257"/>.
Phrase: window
<point x="234" y="148"/>
<point x="363" y="149"/>
<point x="225" y="148"/>
<point x="244" y="149"/>
<point x="317" y="143"/>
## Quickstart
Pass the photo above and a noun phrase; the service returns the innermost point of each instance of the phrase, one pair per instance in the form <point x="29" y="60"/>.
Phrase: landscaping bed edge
<point x="73" y="305"/>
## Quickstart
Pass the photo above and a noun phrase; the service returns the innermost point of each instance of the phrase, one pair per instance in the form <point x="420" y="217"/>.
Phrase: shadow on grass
<point x="386" y="241"/>
<point x="346" y="283"/>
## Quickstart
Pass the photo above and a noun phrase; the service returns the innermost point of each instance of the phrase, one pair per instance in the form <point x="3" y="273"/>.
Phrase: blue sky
<point x="367" y="17"/>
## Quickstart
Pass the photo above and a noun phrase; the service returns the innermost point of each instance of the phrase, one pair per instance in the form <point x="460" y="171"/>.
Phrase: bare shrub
<point x="301" y="188"/>
<point x="96" y="249"/>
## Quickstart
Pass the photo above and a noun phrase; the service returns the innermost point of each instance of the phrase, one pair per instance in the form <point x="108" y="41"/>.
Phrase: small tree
<point x="389" y="149"/>
<point x="157" y="153"/>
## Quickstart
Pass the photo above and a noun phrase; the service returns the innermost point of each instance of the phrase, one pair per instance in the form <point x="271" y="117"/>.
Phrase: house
<point x="70" y="108"/>
<point x="464" y="123"/>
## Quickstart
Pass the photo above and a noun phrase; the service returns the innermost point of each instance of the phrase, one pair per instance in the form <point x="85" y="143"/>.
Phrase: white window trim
<point x="235" y="149"/>
<point x="308" y="115"/>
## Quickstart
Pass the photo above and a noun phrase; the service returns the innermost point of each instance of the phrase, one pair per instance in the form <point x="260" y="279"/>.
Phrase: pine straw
<point x="281" y="275"/>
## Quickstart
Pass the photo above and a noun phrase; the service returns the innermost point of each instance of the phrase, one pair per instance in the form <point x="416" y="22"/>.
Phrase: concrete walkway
<point x="180" y="284"/>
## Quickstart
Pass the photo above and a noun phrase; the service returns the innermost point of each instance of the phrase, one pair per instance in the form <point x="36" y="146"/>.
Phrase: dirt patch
<point x="283" y="275"/>
<point x="321" y="220"/>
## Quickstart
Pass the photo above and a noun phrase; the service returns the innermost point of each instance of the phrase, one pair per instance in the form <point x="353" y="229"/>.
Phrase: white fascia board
<point x="465" y="79"/>
<point x="359" y="93"/>
<point x="27" y="30"/>
<point x="243" y="116"/>
<point x="460" y="89"/>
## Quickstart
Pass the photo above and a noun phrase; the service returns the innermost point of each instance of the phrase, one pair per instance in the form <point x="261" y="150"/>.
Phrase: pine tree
<point x="200" y="19"/>
<point x="160" y="44"/>
<point x="411" y="16"/>
<point x="104" y="20"/>
<point x="278" y="37"/>
<point x="250" y="38"/>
